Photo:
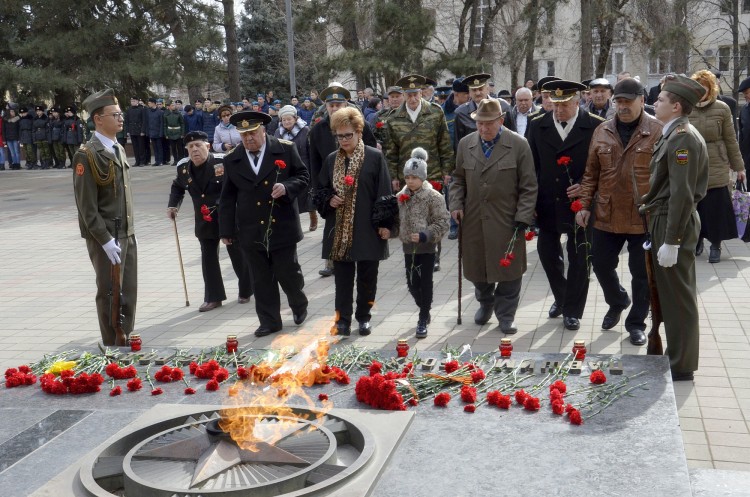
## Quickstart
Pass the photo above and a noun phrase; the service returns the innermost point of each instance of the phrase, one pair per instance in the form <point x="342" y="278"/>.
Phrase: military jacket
<point x="41" y="129"/>
<point x="101" y="185"/>
<point x="25" y="129"/>
<point x="56" y="130"/>
<point x="204" y="187"/>
<point x="429" y="131"/>
<point x="174" y="125"/>
<point x="73" y="131"/>
<point x="679" y="177"/>
<point x="136" y="120"/>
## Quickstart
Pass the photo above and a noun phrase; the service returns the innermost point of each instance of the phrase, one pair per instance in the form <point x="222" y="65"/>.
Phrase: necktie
<point x="117" y="153"/>
<point x="563" y="124"/>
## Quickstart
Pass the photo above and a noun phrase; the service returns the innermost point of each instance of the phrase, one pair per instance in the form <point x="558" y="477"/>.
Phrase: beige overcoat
<point x="494" y="194"/>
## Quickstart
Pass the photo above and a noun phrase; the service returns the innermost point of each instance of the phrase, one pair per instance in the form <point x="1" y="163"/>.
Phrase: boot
<point x="699" y="247"/>
<point x="2" y="167"/>
<point x="714" y="254"/>
<point x="313" y="220"/>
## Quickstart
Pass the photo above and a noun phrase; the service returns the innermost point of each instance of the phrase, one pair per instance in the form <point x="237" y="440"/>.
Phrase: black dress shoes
<point x="243" y="300"/>
<point x="342" y="329"/>
<point x="326" y="272"/>
<point x="637" y="336"/>
<point x="299" y="318"/>
<point x="688" y="376"/>
<point x="365" y="328"/>
<point x="611" y="318"/>
<point x="555" y="310"/>
<point x="571" y="323"/>
<point x="209" y="306"/>
<point x="483" y="314"/>
<point x="508" y="327"/>
<point x="265" y="330"/>
<point x="436" y="267"/>
<point x="699" y="248"/>
<point x="714" y="254"/>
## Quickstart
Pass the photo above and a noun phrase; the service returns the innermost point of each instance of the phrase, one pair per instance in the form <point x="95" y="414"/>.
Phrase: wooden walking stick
<point x="182" y="267"/>
<point x="460" y="269"/>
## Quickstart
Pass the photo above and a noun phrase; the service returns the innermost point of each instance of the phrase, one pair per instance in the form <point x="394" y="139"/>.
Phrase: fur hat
<point x="417" y="165"/>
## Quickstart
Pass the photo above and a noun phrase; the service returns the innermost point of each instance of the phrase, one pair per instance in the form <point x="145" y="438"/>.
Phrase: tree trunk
<point x="533" y="19"/>
<point x="681" y="44"/>
<point x="735" y="17"/>
<point x="233" y="57"/>
<point x="462" y="25"/>
<point x="587" y="54"/>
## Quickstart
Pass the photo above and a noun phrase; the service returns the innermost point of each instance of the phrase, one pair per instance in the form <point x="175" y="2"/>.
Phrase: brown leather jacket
<point x="613" y="174"/>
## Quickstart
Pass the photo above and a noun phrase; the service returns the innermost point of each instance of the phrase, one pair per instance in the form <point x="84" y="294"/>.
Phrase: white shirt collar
<point x="256" y="166"/>
<point x="413" y="114"/>
<point x="564" y="132"/>
<point x="668" y="125"/>
<point x="107" y="142"/>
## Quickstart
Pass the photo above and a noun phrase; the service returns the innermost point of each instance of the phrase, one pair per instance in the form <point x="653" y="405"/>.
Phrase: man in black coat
<point x="201" y="174"/>
<point x="479" y="89"/>
<point x="263" y="179"/>
<point x="559" y="141"/>
<point x="321" y="142"/>
<point x="744" y="139"/>
<point x="136" y="125"/>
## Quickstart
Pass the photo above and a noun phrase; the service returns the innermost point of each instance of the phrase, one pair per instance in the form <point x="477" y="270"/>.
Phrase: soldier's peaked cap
<point x="540" y="84"/>
<point x="249" y="120"/>
<point x="476" y="80"/>
<point x="100" y="99"/>
<point x="335" y="93"/>
<point x="687" y="88"/>
<point x="562" y="91"/>
<point x="411" y="83"/>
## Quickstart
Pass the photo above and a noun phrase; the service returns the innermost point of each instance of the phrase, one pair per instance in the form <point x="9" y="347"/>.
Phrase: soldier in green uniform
<point x="395" y="99"/>
<point x="101" y="183"/>
<point x="679" y="178"/>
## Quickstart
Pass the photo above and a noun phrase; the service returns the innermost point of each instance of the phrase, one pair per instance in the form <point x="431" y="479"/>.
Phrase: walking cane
<point x="182" y="267"/>
<point x="460" y="270"/>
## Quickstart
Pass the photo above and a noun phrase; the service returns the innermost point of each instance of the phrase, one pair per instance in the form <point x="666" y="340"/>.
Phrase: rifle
<point x="654" y="346"/>
<point x="115" y="297"/>
<point x="460" y="268"/>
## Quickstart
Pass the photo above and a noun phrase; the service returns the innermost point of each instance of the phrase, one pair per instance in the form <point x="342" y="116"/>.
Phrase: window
<point x="745" y="5"/>
<point x="725" y="6"/>
<point x="481" y="7"/>
<point x="660" y="63"/>
<point x="619" y="62"/>
<point x="725" y="56"/>
<point x="550" y="68"/>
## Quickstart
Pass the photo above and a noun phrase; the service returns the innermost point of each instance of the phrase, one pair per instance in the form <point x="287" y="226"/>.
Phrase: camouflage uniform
<point x="41" y="135"/>
<point x="379" y="130"/>
<point x="430" y="132"/>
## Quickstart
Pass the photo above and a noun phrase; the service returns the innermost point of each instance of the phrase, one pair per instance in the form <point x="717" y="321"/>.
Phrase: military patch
<point x="79" y="169"/>
<point x="682" y="156"/>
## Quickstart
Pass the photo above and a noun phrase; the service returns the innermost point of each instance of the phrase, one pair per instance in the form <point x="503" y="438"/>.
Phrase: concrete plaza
<point x="47" y="293"/>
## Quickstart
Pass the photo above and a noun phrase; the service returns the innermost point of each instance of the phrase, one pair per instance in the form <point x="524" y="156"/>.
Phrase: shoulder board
<point x="183" y="161"/>
<point x="285" y="142"/>
<point x="217" y="155"/>
<point x="538" y="116"/>
<point x="600" y="118"/>
<point x="680" y="130"/>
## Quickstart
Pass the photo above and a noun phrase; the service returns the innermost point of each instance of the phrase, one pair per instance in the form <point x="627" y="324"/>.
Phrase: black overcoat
<point x="553" y="205"/>
<point x="206" y="192"/>
<point x="246" y="196"/>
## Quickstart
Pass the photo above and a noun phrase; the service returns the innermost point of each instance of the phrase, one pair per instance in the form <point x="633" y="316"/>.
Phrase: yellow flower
<point x="59" y="366"/>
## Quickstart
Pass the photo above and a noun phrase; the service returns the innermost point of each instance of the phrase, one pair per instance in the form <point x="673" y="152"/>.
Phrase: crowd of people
<point x="587" y="166"/>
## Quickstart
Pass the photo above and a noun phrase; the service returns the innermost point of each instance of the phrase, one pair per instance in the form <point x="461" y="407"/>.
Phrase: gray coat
<point x="494" y="194"/>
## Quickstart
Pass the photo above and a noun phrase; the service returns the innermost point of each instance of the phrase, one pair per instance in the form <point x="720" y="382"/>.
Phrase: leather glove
<point x="667" y="255"/>
<point x="113" y="251"/>
<point x="521" y="226"/>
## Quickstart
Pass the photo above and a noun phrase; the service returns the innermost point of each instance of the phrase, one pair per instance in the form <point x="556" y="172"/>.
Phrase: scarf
<point x="344" y="230"/>
<point x="290" y="134"/>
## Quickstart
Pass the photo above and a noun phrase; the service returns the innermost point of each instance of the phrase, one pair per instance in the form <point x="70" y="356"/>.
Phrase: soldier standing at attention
<point x="56" y="139"/>
<point x="136" y="119"/>
<point x="101" y="184"/>
<point x="26" y="134"/>
<point x="41" y="134"/>
<point x="679" y="179"/>
<point x="72" y="132"/>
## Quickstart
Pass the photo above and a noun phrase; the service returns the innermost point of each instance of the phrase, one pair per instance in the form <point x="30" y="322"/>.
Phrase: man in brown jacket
<point x="617" y="175"/>
<point x="493" y="195"/>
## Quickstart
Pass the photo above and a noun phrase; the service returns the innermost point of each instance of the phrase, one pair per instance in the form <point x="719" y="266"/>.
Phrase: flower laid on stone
<point x="470" y="408"/>
<point x="117" y="372"/>
<point x="442" y="399"/>
<point x="189" y="391"/>
<point x="69" y="382"/>
<point x="115" y="391"/>
<point x="16" y="377"/>
<point x="134" y="385"/>
<point x="598" y="377"/>
<point x="168" y="374"/>
<point x="322" y="397"/>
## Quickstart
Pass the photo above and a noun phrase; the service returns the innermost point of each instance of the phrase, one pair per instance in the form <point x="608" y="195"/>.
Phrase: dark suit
<point x="554" y="216"/>
<point x="653" y="94"/>
<point x="204" y="184"/>
<point x="246" y="198"/>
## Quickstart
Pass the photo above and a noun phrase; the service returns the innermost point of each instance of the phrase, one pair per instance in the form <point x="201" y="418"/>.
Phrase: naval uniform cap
<point x="411" y="83"/>
<point x="195" y="135"/>
<point x="100" y="99"/>
<point x="476" y="80"/>
<point x="687" y="88"/>
<point x="540" y="84"/>
<point x="744" y="85"/>
<point x="249" y="120"/>
<point x="562" y="91"/>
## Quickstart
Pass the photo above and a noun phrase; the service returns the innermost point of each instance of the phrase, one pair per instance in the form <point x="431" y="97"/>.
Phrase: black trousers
<point x="419" y="269"/>
<point x="269" y="271"/>
<point x="165" y="151"/>
<point x="176" y="148"/>
<point x="569" y="290"/>
<point x="212" y="278"/>
<point x="605" y="256"/>
<point x="367" y="286"/>
<point x="158" y="151"/>
<point x="139" y="149"/>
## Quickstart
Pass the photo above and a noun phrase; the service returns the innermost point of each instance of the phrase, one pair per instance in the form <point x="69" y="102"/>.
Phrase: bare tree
<point x="233" y="57"/>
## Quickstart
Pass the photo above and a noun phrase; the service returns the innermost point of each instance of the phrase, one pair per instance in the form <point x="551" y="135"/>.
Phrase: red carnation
<point x="576" y="206"/>
<point x="556" y="395"/>
<point x="322" y="397"/>
<point x="348" y="180"/>
<point x="564" y="161"/>
<point x="529" y="236"/>
<point x="177" y="374"/>
<point x="212" y="385"/>
<point x="451" y="366"/>
<point x="342" y="378"/>
<point x="205" y="210"/>
<point x="221" y="375"/>
<point x="208" y="218"/>
<point x="598" y="377"/>
<point x="243" y="373"/>
<point x="157" y="391"/>
<point x="379" y="124"/>
<point x="24" y="369"/>
<point x="505" y="262"/>
<point x="413" y="402"/>
<point x="468" y="394"/>
<point x="531" y="403"/>
<point x="470" y="408"/>
<point x="559" y="386"/>
<point x="511" y="256"/>
<point x="193" y="367"/>
<point x="575" y="417"/>
<point x="134" y="385"/>
<point x="404" y="197"/>
<point x="477" y="376"/>
<point x="280" y="164"/>
<point x="569" y="408"/>
<point x="521" y="397"/>
<point x="375" y="368"/>
<point x="503" y="402"/>
<point x="558" y="407"/>
<point x="436" y="185"/>
<point x="115" y="391"/>
<point x="442" y="399"/>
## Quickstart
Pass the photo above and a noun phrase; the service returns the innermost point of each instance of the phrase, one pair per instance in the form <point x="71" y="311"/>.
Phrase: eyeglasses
<point x="345" y="136"/>
<point x="116" y="115"/>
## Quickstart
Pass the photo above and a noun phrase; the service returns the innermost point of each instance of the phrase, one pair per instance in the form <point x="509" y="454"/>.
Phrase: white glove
<point x="113" y="251"/>
<point x="647" y="245"/>
<point x="667" y="255"/>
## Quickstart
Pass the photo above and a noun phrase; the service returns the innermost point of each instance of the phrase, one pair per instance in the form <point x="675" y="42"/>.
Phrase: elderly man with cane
<point x="201" y="174"/>
<point x="493" y="195"/>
